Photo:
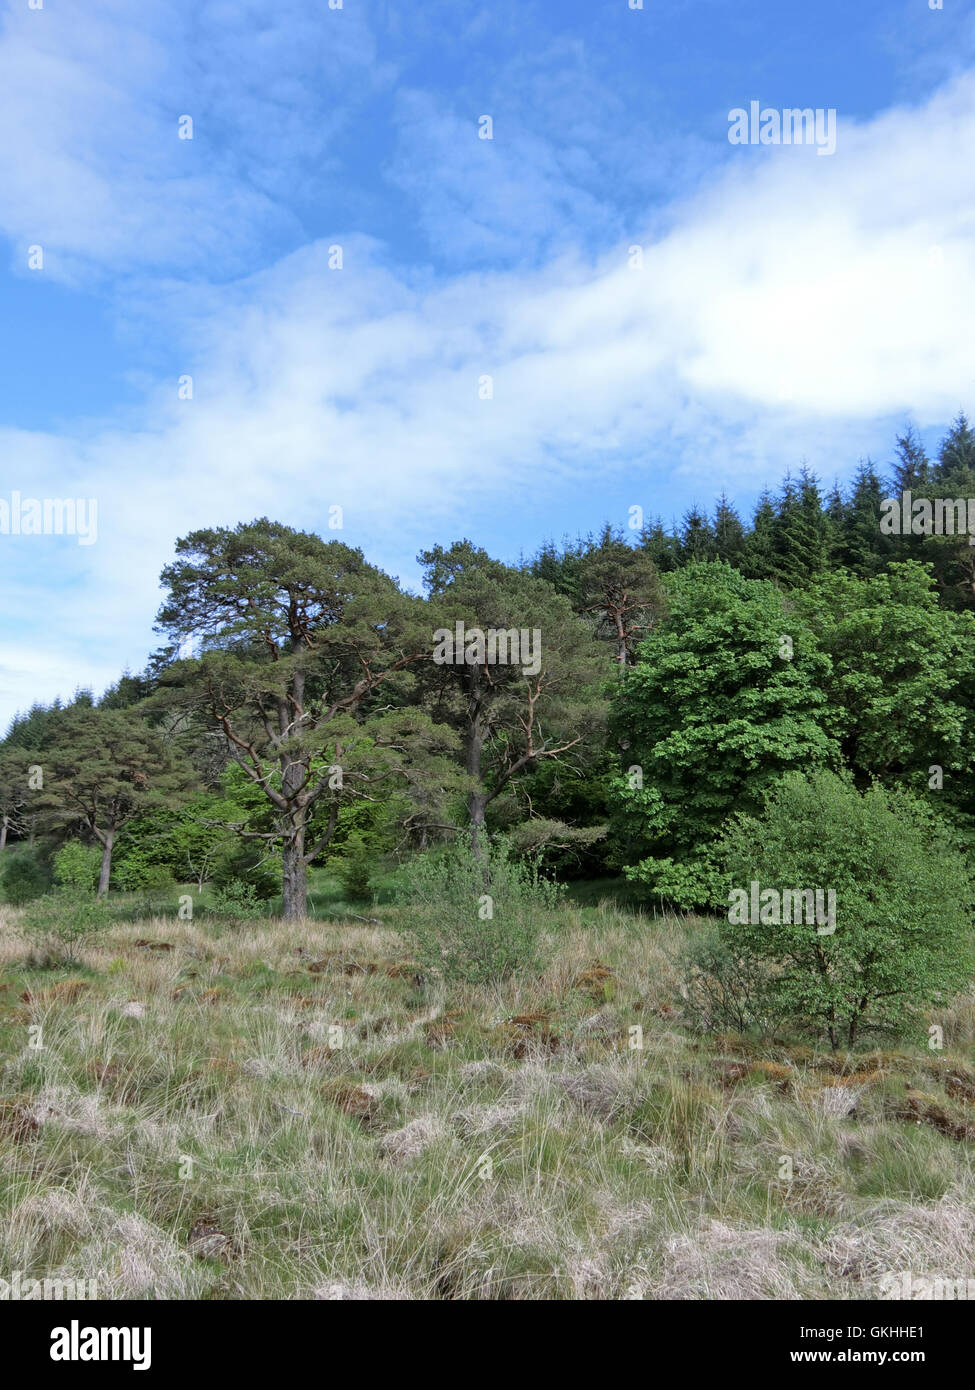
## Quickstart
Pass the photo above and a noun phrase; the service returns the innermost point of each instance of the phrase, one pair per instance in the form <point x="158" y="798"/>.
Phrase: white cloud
<point x="795" y="307"/>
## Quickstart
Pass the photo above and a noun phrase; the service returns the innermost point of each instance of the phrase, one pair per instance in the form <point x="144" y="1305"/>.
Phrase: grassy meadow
<point x="228" y="1109"/>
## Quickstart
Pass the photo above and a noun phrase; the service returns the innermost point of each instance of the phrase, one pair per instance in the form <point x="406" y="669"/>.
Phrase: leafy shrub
<point x="722" y="990"/>
<point x="904" y="896"/>
<point x="77" y="866"/>
<point x="246" y="862"/>
<point x="23" y="877"/>
<point x="237" y="898"/>
<point x="450" y="930"/>
<point x="137" y="873"/>
<point x="67" y="915"/>
<point x="139" y="869"/>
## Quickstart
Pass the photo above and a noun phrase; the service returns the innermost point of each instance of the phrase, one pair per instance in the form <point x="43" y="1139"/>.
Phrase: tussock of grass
<point x="194" y="1126"/>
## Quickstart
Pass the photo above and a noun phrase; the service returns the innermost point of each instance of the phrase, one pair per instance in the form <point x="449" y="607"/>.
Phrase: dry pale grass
<point x="292" y="1110"/>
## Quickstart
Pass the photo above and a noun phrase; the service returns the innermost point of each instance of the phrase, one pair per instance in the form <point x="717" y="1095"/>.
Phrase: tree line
<point x="294" y="713"/>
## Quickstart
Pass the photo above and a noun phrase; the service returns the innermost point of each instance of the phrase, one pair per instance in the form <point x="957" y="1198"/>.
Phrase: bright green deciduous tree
<point x="901" y="670"/>
<point x="726" y="697"/>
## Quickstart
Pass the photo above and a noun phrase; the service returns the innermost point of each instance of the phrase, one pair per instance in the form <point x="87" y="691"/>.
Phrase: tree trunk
<point x="294" y="875"/>
<point x="476" y="808"/>
<point x="108" y="840"/>
<point x="620" y="642"/>
<point x="477" y="798"/>
<point x="294" y="870"/>
<point x="3" y="833"/>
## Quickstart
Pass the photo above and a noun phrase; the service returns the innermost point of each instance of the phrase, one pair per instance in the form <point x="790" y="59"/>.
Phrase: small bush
<point x="354" y="869"/>
<point x="901" y="939"/>
<point x="478" y="920"/>
<point x="77" y="866"/>
<point x="237" y="898"/>
<point x="246" y="862"/>
<point x="67" y="915"/>
<point x="23" y="878"/>
<point x="722" y="990"/>
<point x="138" y="873"/>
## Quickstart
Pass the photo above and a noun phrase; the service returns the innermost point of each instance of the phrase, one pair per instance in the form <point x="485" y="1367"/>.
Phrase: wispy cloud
<point x="92" y="163"/>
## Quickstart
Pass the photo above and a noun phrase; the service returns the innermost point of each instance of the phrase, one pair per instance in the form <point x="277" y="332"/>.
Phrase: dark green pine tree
<point x="954" y="472"/>
<point x="836" y="511"/>
<point x="759" y="557"/>
<point x="697" y="539"/>
<point x="786" y="508"/>
<point x="560" y="568"/>
<point x="803" y="535"/>
<point x="508" y="720"/>
<point x="105" y="768"/>
<point x="729" y="534"/>
<point x="127" y="692"/>
<point x="864" y="549"/>
<point x="912" y="471"/>
<point x="620" y="592"/>
<point x="32" y="730"/>
<point x="953" y="476"/>
<point x="662" y="546"/>
<point x="14" y="790"/>
<point x="307" y="656"/>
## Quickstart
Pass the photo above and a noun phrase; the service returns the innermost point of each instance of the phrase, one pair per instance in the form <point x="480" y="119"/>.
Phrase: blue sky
<point x="789" y="306"/>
